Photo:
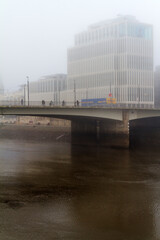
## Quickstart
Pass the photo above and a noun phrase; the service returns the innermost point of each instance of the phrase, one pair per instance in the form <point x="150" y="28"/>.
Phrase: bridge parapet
<point x="85" y="112"/>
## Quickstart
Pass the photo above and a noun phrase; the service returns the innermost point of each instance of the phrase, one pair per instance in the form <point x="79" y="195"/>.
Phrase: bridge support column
<point x="108" y="133"/>
<point x="115" y="133"/>
<point x="84" y="132"/>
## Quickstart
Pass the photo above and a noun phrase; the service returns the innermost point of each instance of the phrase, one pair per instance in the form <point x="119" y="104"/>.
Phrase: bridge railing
<point x="9" y="103"/>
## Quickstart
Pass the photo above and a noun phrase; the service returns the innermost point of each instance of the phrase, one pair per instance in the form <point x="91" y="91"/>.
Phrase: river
<point x="57" y="191"/>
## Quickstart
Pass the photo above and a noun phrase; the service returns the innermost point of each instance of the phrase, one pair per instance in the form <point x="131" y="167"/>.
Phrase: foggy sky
<point x="35" y="34"/>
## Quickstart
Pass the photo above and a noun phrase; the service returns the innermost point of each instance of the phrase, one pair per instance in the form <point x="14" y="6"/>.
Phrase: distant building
<point x="1" y="88"/>
<point x="47" y="88"/>
<point x="113" y="58"/>
<point x="157" y="87"/>
<point x="13" y="97"/>
<point x="40" y="121"/>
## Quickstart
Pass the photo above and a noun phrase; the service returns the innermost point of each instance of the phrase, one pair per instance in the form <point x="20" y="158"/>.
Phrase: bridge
<point x="89" y="125"/>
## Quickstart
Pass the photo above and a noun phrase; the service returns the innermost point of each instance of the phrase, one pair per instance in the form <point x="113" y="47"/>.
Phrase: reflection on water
<point x="55" y="191"/>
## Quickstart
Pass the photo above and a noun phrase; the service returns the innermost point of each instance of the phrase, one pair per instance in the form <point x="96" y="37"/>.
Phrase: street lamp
<point x="74" y="92"/>
<point x="110" y="87"/>
<point x="24" y="94"/>
<point x="28" y="88"/>
<point x="87" y="93"/>
<point x="138" y="95"/>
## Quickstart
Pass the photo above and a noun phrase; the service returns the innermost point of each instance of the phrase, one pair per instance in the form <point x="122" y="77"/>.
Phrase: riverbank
<point x="30" y="132"/>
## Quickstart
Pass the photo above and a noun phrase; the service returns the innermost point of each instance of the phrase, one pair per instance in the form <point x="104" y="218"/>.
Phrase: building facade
<point x="113" y="58"/>
<point x="47" y="88"/>
<point x="1" y="89"/>
<point x="157" y="87"/>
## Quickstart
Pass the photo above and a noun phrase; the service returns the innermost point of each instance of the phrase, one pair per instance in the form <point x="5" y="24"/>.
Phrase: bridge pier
<point x="145" y="132"/>
<point x="115" y="133"/>
<point x="110" y="133"/>
<point x="83" y="132"/>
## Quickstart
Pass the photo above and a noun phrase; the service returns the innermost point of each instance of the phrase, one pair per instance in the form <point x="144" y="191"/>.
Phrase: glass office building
<point x="114" y="56"/>
<point x="157" y="87"/>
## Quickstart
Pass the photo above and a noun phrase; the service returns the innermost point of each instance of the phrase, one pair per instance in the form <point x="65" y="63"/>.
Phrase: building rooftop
<point x="119" y="18"/>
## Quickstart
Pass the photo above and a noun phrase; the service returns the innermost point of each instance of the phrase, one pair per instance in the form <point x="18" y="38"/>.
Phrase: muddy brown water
<point x="52" y="190"/>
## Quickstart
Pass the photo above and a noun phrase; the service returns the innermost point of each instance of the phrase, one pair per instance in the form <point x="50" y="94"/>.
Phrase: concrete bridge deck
<point x="77" y="112"/>
<point x="89" y="125"/>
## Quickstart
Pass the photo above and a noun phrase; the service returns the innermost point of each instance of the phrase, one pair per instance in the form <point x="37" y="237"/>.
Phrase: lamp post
<point x="74" y="92"/>
<point x="59" y="91"/>
<point x="28" y="88"/>
<point x="24" y="94"/>
<point x="110" y="87"/>
<point x="87" y="93"/>
<point x="138" y="95"/>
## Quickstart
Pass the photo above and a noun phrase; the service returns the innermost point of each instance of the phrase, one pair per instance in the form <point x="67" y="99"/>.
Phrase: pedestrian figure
<point x="22" y="102"/>
<point x="63" y="103"/>
<point x="77" y="103"/>
<point x="43" y="103"/>
<point x="51" y="103"/>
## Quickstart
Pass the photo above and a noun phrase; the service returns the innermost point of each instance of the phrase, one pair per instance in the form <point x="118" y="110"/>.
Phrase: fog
<point x="35" y="34"/>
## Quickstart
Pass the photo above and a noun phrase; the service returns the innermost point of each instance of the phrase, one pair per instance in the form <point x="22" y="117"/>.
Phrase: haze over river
<point x="57" y="191"/>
